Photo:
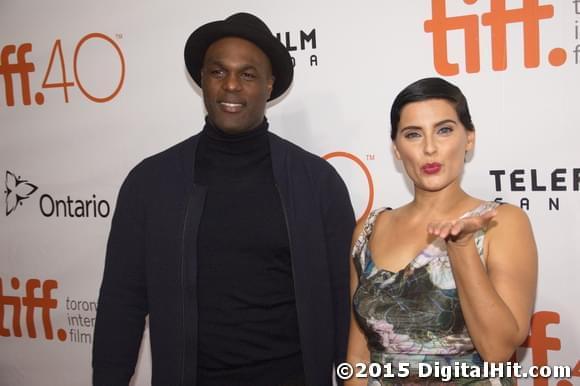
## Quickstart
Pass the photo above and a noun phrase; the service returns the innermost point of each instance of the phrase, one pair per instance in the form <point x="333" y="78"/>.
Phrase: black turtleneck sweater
<point x="248" y="328"/>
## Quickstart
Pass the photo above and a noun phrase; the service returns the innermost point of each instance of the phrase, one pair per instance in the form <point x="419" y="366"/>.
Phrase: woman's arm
<point x="496" y="299"/>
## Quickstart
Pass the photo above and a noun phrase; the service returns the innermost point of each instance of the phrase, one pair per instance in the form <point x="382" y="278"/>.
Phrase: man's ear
<point x="271" y="85"/>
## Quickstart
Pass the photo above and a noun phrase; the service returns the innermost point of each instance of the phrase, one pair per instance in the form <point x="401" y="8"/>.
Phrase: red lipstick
<point x="431" y="168"/>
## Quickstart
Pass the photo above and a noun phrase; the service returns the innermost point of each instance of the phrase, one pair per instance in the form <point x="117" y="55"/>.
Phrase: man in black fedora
<point x="234" y="242"/>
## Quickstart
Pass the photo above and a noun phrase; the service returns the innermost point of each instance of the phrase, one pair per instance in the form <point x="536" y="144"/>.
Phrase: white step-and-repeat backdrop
<point x="88" y="89"/>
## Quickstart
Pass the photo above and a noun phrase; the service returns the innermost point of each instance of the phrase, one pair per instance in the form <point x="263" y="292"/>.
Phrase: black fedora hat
<point x="246" y="26"/>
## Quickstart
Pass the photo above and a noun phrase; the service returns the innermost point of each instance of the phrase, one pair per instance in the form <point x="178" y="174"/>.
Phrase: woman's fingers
<point x="475" y="223"/>
<point x="460" y="228"/>
<point x="457" y="228"/>
<point x="445" y="229"/>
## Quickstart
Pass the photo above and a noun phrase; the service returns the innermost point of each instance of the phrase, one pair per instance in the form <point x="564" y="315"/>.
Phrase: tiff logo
<point x="541" y="343"/>
<point x="21" y="67"/>
<point x="497" y="19"/>
<point x="30" y="302"/>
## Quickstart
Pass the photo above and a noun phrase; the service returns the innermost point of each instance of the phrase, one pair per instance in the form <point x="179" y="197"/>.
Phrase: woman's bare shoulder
<point x="510" y="217"/>
<point x="510" y="233"/>
<point x="375" y="218"/>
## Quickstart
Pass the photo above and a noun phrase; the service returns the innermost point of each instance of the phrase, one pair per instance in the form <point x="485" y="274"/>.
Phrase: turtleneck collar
<point x="216" y="134"/>
<point x="222" y="157"/>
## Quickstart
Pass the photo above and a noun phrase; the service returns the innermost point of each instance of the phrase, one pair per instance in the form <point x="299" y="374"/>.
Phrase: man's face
<point x="236" y="80"/>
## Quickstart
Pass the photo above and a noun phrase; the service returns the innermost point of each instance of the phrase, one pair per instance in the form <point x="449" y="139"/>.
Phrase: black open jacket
<point x="150" y="266"/>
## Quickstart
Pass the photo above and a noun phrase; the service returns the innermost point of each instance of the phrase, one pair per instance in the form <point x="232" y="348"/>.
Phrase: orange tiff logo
<point x="14" y="63"/>
<point x="30" y="302"/>
<point x="497" y="19"/>
<point x="540" y="344"/>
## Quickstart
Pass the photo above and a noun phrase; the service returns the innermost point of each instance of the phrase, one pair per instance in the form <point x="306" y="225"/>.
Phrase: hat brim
<point x="199" y="41"/>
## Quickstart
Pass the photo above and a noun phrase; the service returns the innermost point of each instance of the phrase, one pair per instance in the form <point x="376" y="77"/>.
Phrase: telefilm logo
<point x="20" y="304"/>
<point x="536" y="183"/>
<point x="497" y="19"/>
<point x="17" y="71"/>
<point x="301" y="41"/>
<point x="18" y="189"/>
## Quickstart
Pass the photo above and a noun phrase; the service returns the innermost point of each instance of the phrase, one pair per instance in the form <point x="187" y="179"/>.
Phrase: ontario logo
<point x="18" y="189"/>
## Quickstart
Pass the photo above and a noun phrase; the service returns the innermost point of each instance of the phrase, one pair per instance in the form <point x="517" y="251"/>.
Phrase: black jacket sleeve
<point x="122" y="305"/>
<point x="339" y="223"/>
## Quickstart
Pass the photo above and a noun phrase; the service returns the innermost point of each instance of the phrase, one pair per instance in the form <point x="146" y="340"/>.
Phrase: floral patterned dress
<point x="413" y="316"/>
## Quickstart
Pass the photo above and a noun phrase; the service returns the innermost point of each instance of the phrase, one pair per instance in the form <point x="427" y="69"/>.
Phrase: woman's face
<point x="431" y="142"/>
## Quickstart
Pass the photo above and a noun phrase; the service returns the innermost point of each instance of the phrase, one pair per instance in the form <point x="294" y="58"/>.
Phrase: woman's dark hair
<point x="430" y="88"/>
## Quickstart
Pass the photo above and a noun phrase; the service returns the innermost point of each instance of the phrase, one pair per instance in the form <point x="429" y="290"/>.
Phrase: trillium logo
<point x="17" y="190"/>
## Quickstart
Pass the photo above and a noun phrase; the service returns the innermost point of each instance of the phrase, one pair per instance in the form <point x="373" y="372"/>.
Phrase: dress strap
<point x="480" y="235"/>
<point x="359" y="250"/>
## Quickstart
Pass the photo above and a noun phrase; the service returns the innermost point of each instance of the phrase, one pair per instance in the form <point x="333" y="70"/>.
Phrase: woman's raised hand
<point x="460" y="231"/>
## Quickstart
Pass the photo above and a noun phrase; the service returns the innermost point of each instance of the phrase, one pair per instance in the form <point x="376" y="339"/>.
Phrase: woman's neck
<point x="448" y="203"/>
